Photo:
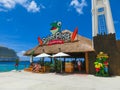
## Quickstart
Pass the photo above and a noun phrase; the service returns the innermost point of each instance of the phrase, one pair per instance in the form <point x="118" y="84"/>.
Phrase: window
<point x="100" y="9"/>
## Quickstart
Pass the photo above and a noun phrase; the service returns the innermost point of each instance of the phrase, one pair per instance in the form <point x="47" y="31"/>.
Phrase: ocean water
<point x="9" y="66"/>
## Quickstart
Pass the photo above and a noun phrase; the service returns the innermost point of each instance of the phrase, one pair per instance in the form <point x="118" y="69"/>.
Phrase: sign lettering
<point x="57" y="38"/>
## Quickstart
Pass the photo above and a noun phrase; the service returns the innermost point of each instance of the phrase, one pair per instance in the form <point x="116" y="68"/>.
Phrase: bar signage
<point x="57" y="36"/>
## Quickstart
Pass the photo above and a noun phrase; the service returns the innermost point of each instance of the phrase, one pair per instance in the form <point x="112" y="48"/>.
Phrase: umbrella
<point x="61" y="54"/>
<point x="43" y="55"/>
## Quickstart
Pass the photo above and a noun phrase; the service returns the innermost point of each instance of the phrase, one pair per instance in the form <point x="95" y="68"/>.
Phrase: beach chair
<point x="38" y="69"/>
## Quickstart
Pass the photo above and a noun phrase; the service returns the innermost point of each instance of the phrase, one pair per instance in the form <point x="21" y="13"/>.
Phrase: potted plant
<point x="52" y="68"/>
<point x="58" y="66"/>
<point x="101" y="65"/>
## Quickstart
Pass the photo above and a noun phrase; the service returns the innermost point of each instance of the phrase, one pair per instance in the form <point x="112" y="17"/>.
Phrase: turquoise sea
<point x="10" y="65"/>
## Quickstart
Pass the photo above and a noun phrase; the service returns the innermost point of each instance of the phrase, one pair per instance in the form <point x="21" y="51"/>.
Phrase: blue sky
<point x="22" y="21"/>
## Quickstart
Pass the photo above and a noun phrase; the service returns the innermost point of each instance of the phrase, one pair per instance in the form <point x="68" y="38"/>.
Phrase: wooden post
<point x="75" y="65"/>
<point x="87" y="62"/>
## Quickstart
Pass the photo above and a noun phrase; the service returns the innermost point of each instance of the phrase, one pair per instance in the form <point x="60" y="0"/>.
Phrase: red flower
<point x="106" y="63"/>
<point x="97" y="69"/>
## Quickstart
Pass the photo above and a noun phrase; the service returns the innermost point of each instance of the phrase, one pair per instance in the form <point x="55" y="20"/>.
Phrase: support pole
<point x="51" y="60"/>
<point x="64" y="65"/>
<point x="87" y="62"/>
<point x="61" y="66"/>
<point x="31" y="59"/>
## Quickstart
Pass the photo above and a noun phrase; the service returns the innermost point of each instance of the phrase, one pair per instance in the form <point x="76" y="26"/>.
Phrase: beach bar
<point x="80" y="47"/>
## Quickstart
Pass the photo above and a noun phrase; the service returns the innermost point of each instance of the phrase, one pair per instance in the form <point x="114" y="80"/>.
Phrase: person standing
<point x="16" y="64"/>
<point x="79" y="65"/>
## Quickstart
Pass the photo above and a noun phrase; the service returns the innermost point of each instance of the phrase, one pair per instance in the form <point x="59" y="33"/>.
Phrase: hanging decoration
<point x="101" y="65"/>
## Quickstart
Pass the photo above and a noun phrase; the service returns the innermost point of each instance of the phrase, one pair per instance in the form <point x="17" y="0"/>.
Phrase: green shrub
<point x="58" y="65"/>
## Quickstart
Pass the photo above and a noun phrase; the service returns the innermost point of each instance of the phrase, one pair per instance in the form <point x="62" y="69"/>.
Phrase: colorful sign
<point x="55" y="42"/>
<point x="58" y="37"/>
<point x="56" y="26"/>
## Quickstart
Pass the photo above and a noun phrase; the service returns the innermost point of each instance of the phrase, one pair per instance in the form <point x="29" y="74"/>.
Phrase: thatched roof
<point x="82" y="44"/>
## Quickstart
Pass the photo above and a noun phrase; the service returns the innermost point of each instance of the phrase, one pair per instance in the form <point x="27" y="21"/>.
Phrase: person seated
<point x="37" y="68"/>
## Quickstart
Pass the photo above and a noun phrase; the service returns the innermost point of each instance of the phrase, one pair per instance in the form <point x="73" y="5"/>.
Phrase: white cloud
<point x="30" y="6"/>
<point x="22" y="57"/>
<point x="21" y="53"/>
<point x="21" y="2"/>
<point x="7" y="4"/>
<point x="78" y="6"/>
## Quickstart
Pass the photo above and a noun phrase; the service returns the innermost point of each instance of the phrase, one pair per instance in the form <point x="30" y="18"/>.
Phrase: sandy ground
<point x="51" y="81"/>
